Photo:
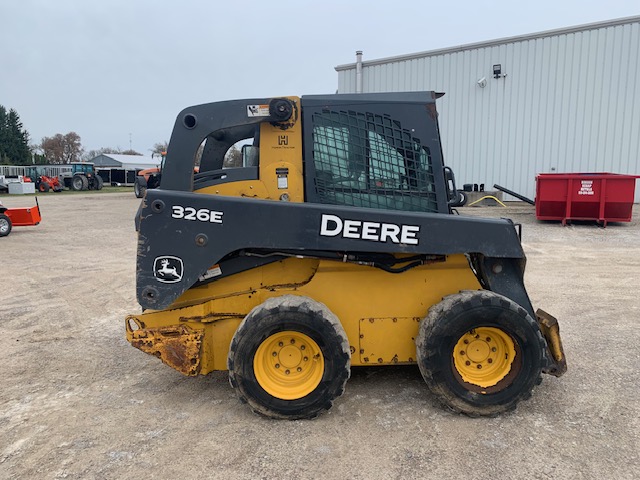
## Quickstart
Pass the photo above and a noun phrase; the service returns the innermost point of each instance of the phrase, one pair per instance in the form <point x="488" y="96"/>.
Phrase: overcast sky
<point x="113" y="68"/>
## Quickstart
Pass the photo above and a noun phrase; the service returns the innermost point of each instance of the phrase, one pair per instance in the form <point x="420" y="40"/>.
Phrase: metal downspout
<point x="359" y="71"/>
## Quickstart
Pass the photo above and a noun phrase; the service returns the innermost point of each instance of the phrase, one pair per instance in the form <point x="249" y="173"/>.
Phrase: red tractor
<point x="150" y="178"/>
<point x="147" y="179"/>
<point x="43" y="182"/>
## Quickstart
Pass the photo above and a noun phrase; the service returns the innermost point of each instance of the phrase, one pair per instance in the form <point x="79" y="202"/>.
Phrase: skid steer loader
<point x="333" y="246"/>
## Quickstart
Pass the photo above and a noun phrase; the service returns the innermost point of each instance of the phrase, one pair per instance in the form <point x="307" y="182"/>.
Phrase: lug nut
<point x="302" y="347"/>
<point x="277" y="365"/>
<point x="490" y="360"/>
<point x="479" y="367"/>
<point x="274" y="354"/>
<point x="292" y="341"/>
<point x="461" y="352"/>
<point x="280" y="344"/>
<point x="306" y="359"/>
<point x="299" y="369"/>
<point x="287" y="372"/>
<point x="494" y="349"/>
<point x="467" y="363"/>
<point x="488" y="339"/>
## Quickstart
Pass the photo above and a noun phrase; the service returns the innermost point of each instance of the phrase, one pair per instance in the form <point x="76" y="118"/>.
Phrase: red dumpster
<point x="603" y="197"/>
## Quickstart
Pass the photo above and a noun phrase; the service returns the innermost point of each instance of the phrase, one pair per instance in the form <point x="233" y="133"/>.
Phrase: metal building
<point x="564" y="100"/>
<point x="119" y="169"/>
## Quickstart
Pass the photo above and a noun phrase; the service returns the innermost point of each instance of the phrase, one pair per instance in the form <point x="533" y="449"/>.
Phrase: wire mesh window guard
<point x="369" y="160"/>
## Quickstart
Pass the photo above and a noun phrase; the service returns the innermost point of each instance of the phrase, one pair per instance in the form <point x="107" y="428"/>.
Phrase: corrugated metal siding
<point x="569" y="103"/>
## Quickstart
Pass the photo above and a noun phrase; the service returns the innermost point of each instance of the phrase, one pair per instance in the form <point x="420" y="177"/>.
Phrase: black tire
<point x="43" y="187"/>
<point x="439" y="347"/>
<point x="299" y="317"/>
<point x="79" y="182"/>
<point x="139" y="190"/>
<point x="461" y="199"/>
<point x="99" y="182"/>
<point x="5" y="225"/>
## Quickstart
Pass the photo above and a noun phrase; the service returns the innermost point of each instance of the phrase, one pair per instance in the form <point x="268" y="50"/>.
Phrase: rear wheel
<point x="289" y="358"/>
<point x="480" y="353"/>
<point x="99" y="182"/>
<point x="5" y="225"/>
<point x="43" y="187"/>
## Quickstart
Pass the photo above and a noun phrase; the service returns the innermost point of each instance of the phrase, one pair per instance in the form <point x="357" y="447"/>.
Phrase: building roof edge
<point x="491" y="43"/>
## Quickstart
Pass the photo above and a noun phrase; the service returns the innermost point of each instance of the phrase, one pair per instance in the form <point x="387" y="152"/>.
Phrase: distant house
<point x="122" y="169"/>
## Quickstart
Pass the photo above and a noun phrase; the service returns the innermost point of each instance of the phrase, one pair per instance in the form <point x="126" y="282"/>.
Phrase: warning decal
<point x="257" y="110"/>
<point x="212" y="272"/>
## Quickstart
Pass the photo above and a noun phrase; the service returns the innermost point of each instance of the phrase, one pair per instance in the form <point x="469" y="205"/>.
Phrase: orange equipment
<point x="18" y="217"/>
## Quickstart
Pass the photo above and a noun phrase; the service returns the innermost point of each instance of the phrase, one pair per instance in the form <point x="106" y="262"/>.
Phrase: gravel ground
<point x="78" y="402"/>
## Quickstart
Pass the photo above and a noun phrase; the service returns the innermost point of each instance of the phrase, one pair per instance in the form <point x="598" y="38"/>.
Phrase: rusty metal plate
<point x="176" y="345"/>
<point x="551" y="332"/>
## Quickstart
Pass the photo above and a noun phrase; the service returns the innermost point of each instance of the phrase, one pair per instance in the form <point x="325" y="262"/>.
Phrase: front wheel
<point x="138" y="190"/>
<point x="289" y="358"/>
<point x="480" y="353"/>
<point x="5" y="225"/>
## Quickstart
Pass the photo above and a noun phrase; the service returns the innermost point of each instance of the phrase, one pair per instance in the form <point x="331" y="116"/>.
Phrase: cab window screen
<point x="368" y="160"/>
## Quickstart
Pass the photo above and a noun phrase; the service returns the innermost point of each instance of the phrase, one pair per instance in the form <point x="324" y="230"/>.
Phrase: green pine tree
<point x="14" y="139"/>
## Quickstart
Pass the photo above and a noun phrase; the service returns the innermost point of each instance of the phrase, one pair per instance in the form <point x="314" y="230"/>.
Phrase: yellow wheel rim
<point x="484" y="356"/>
<point x="288" y="365"/>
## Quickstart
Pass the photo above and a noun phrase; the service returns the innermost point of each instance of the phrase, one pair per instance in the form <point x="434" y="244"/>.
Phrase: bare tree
<point x="61" y="149"/>
<point x="72" y="147"/>
<point x="53" y="148"/>
<point x="91" y="154"/>
<point x="160" y="148"/>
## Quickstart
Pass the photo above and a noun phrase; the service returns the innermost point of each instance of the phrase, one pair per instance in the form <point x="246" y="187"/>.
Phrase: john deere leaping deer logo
<point x="168" y="269"/>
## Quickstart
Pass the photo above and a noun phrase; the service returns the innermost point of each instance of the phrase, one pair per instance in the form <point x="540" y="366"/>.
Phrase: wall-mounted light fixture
<point x="497" y="71"/>
<point x="482" y="82"/>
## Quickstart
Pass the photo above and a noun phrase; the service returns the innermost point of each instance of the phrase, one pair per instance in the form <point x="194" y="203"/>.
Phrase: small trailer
<point x="18" y="217"/>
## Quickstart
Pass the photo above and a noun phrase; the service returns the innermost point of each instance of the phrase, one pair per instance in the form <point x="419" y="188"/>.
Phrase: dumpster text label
<point x="586" y="188"/>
